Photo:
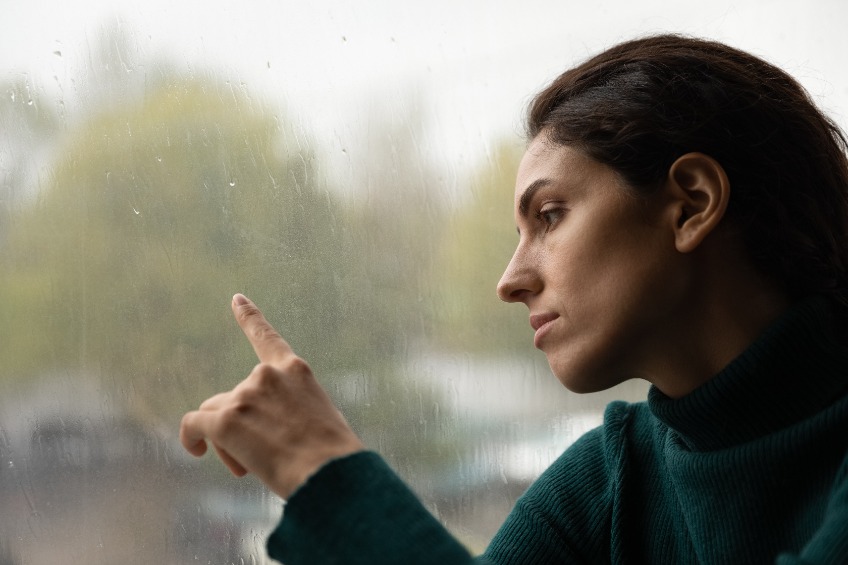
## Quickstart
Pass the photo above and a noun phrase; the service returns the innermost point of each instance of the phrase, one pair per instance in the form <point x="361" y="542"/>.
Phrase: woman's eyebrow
<point x="527" y="195"/>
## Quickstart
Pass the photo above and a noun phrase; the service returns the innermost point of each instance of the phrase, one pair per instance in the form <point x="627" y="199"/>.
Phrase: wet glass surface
<point x="349" y="170"/>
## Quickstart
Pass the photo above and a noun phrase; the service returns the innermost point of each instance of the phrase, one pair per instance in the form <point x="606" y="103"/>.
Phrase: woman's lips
<point x="541" y="323"/>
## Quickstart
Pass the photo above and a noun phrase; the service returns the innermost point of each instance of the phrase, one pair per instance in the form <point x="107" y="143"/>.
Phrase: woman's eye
<point x="550" y="216"/>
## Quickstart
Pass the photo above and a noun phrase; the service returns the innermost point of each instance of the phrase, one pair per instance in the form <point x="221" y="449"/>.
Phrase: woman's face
<point x="595" y="267"/>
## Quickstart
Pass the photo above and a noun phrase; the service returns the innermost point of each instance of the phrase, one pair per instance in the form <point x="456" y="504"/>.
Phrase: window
<point x="349" y="169"/>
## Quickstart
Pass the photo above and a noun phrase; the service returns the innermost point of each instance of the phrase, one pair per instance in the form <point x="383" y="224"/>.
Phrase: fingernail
<point x="240" y="300"/>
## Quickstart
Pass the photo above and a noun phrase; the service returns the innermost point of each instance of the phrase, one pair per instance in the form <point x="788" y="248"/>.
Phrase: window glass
<point x="348" y="167"/>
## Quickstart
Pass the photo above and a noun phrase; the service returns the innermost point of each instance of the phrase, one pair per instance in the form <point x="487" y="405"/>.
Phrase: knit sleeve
<point x="829" y="545"/>
<point x="356" y="510"/>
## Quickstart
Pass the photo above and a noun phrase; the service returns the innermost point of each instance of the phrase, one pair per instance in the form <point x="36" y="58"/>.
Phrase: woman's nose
<point x="518" y="280"/>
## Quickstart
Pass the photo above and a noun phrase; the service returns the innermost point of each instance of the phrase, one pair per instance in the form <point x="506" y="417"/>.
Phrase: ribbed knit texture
<point x="749" y="468"/>
<point x="357" y="511"/>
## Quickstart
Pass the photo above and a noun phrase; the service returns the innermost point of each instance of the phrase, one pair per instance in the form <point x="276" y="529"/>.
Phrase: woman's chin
<point x="581" y="380"/>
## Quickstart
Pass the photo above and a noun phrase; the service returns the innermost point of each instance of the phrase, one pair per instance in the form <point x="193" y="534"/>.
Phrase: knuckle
<point x="265" y="379"/>
<point x="296" y="366"/>
<point x="243" y="397"/>
<point x="263" y="373"/>
<point x="210" y="402"/>
<point x="230" y="418"/>
<point x="224" y="424"/>
<point x="272" y="375"/>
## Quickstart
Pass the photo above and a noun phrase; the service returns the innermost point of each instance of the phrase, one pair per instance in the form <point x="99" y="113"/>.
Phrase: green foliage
<point x="124" y="265"/>
<point x="157" y="211"/>
<point x="154" y="211"/>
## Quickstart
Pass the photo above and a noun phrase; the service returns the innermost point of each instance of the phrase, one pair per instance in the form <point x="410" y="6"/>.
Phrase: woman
<point x="682" y="211"/>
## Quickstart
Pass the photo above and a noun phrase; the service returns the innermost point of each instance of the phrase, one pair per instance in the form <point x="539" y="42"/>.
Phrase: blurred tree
<point x="168" y="193"/>
<point x="152" y="212"/>
<point x="156" y="213"/>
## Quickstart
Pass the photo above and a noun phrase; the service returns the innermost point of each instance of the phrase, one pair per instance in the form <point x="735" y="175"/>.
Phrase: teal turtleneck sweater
<point x="749" y="468"/>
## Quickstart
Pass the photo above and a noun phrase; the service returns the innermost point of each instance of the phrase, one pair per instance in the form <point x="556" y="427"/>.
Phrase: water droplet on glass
<point x="232" y="183"/>
<point x="137" y="212"/>
<point x="159" y="159"/>
<point x="57" y="53"/>
<point x="11" y="464"/>
<point x="29" y="102"/>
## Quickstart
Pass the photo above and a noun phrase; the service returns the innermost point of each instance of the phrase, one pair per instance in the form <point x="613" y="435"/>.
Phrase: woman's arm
<point x="356" y="510"/>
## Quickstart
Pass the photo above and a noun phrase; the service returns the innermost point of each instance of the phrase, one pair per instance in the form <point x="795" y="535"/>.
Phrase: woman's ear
<point x="699" y="192"/>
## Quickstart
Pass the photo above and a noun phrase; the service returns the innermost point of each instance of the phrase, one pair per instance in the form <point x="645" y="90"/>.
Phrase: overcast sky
<point x="472" y="63"/>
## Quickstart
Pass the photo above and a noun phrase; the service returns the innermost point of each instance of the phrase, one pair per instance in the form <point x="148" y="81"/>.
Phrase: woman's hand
<point x="278" y="423"/>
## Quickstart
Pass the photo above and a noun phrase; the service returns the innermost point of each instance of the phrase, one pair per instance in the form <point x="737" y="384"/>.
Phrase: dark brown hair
<point x="640" y="105"/>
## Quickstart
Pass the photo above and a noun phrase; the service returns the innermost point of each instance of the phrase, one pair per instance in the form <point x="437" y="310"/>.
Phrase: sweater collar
<point x="796" y="367"/>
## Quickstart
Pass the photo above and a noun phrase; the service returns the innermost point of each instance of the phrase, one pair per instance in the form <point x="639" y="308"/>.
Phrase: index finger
<point x="267" y="343"/>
